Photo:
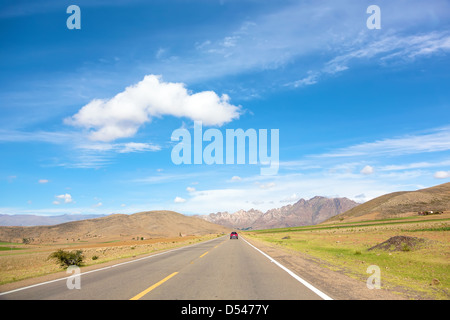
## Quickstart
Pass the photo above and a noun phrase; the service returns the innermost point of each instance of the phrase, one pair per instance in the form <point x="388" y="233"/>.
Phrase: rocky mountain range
<point x="302" y="213"/>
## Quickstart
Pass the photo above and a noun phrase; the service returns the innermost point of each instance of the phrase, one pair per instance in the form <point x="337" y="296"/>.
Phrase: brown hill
<point x="398" y="204"/>
<point x="151" y="224"/>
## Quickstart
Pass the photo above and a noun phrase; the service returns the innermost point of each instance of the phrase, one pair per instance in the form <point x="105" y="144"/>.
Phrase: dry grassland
<point x="21" y="261"/>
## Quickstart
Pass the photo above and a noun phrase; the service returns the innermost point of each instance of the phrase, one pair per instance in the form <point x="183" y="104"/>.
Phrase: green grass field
<point x="424" y="269"/>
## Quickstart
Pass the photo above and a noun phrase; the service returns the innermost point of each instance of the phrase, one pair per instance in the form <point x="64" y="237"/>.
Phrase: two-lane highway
<point x="219" y="269"/>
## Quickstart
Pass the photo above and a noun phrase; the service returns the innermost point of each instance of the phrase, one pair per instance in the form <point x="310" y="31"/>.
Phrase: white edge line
<point x="296" y="277"/>
<point x="101" y="269"/>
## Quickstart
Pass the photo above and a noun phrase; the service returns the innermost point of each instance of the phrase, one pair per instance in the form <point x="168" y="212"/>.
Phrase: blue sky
<point x="87" y="115"/>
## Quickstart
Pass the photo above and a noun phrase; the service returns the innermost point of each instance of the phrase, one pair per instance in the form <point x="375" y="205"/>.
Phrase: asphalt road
<point x="219" y="269"/>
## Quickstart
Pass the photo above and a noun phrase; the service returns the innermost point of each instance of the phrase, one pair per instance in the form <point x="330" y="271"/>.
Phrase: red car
<point x="234" y="235"/>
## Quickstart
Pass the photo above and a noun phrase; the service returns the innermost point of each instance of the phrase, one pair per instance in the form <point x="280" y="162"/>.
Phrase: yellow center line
<point x="143" y="293"/>
<point x="204" y="254"/>
<point x="219" y="244"/>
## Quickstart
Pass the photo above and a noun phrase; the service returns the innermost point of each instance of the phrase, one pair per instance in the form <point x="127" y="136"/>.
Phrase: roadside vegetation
<point x="19" y="261"/>
<point x="68" y="258"/>
<point x="413" y="253"/>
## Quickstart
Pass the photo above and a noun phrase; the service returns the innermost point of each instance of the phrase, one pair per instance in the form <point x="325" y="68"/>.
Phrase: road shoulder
<point x="334" y="283"/>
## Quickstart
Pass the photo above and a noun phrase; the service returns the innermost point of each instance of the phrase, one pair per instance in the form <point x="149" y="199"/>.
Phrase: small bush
<point x="66" y="259"/>
<point x="94" y="257"/>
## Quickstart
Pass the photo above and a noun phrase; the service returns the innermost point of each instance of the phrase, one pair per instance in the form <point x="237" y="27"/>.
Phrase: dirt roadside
<point x="335" y="283"/>
<point x="63" y="274"/>
<point x="159" y="245"/>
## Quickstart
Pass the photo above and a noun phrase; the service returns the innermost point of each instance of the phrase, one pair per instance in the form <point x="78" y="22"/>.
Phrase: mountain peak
<point x="302" y="212"/>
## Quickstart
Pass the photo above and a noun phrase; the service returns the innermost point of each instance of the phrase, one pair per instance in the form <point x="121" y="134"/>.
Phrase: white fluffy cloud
<point x="122" y="115"/>
<point x="67" y="198"/>
<point x="442" y="174"/>
<point x="179" y="200"/>
<point x="367" y="170"/>
<point x="292" y="198"/>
